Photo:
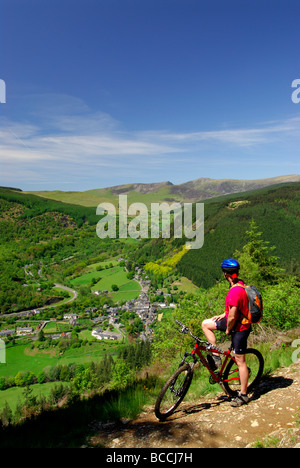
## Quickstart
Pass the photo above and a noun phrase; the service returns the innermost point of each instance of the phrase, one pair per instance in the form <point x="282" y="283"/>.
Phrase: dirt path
<point x="212" y="422"/>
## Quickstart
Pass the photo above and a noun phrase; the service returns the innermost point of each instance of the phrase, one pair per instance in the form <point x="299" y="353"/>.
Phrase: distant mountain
<point x="140" y="188"/>
<point x="204" y="188"/>
<point x="192" y="191"/>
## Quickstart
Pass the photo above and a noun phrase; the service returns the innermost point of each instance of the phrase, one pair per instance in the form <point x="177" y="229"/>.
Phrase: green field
<point x="86" y="278"/>
<point x="184" y="284"/>
<point x="128" y="289"/>
<point x="92" y="198"/>
<point x="111" y="261"/>
<point x="14" y="394"/>
<point x="21" y="358"/>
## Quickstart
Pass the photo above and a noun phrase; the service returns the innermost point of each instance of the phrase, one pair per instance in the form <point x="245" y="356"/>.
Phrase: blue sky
<point x="108" y="92"/>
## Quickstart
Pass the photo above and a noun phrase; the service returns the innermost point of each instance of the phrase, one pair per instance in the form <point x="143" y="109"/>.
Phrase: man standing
<point x="230" y="322"/>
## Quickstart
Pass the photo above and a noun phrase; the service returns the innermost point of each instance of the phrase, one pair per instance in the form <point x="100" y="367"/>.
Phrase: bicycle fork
<point x="192" y="355"/>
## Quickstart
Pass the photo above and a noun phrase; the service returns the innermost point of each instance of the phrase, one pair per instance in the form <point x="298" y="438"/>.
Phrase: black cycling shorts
<point x="239" y="338"/>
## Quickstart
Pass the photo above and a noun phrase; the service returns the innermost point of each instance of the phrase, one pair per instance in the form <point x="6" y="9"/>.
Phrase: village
<point x="106" y="320"/>
<point x="147" y="312"/>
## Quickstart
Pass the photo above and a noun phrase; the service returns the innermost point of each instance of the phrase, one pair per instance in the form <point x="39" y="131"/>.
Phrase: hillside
<point x="276" y="213"/>
<point x="50" y="249"/>
<point x="191" y="191"/>
<point x="33" y="205"/>
<point x="40" y="240"/>
<point x="51" y="230"/>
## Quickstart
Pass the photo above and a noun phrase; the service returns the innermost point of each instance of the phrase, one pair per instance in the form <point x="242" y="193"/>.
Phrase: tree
<point x="29" y="398"/>
<point x="122" y="374"/>
<point x="257" y="263"/>
<point x="41" y="377"/>
<point x="19" y="379"/>
<point x="114" y="287"/>
<point x="41" y="336"/>
<point x="6" y="415"/>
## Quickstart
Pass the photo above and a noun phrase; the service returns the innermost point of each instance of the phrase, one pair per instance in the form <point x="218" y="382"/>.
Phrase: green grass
<point x="92" y="198"/>
<point x="130" y="286"/>
<point x="86" y="278"/>
<point x="128" y="289"/>
<point x="56" y="327"/>
<point x="19" y="358"/>
<point x="124" y="295"/>
<point x="113" y="261"/>
<point x="14" y="394"/>
<point x="186" y="285"/>
<point x="114" y="275"/>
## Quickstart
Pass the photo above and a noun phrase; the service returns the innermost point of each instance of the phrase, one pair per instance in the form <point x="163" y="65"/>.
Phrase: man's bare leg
<point x="208" y="327"/>
<point x="243" y="371"/>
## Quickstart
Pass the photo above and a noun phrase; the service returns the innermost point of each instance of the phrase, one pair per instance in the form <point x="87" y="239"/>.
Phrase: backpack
<point x="255" y="310"/>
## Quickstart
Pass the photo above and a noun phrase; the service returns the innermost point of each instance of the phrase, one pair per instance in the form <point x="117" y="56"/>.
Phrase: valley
<point x="83" y="316"/>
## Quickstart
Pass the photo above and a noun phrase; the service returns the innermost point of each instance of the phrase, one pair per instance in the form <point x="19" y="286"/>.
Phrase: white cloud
<point x="65" y="136"/>
<point x="240" y="137"/>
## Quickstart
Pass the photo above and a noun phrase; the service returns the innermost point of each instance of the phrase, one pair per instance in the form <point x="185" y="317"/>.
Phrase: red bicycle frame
<point x="217" y="377"/>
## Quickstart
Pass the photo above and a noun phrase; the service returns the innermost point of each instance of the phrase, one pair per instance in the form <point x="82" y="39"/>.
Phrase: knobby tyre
<point x="173" y="392"/>
<point x="255" y="364"/>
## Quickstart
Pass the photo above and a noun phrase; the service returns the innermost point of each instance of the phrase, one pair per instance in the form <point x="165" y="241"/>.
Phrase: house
<point x="98" y="319"/>
<point x="7" y="332"/>
<point x="21" y="331"/>
<point x="73" y="322"/>
<point x="70" y="316"/>
<point x="101" y="335"/>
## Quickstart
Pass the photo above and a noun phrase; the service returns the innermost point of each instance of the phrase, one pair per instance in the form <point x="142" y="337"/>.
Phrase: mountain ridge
<point x="191" y="191"/>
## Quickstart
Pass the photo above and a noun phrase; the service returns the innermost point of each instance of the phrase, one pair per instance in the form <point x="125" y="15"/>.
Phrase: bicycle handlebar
<point x="184" y="329"/>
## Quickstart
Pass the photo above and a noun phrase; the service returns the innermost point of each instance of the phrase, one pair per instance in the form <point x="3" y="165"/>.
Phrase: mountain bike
<point x="177" y="386"/>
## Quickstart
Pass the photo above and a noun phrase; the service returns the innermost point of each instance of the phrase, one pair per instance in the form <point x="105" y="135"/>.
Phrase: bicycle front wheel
<point x="231" y="379"/>
<point x="173" y="392"/>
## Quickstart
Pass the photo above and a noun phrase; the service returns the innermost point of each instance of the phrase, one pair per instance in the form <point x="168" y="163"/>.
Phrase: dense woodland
<point x="276" y="213"/>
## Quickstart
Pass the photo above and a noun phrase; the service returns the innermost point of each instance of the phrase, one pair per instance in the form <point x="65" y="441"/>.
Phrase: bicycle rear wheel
<point x="231" y="379"/>
<point x="173" y="392"/>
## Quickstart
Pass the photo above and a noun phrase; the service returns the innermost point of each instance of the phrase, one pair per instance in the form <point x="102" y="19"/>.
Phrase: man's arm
<point x="232" y="318"/>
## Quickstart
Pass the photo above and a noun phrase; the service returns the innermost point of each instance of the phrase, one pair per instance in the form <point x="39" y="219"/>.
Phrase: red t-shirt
<point x="237" y="297"/>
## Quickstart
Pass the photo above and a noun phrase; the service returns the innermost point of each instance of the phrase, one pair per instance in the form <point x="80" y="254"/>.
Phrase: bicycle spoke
<point x="173" y="393"/>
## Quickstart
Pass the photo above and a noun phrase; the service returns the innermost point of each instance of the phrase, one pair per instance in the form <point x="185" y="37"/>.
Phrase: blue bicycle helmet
<point x="230" y="263"/>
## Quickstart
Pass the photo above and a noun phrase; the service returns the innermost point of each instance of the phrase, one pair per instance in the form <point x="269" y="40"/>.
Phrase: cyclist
<point x="236" y="303"/>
